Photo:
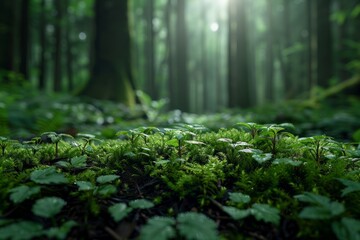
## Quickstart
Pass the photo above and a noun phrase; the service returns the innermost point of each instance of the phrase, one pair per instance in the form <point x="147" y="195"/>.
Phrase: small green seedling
<point x="119" y="211"/>
<point x="55" y="138"/>
<point x="189" y="225"/>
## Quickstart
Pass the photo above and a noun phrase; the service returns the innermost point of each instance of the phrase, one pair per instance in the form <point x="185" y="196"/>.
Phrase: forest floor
<point x="95" y="170"/>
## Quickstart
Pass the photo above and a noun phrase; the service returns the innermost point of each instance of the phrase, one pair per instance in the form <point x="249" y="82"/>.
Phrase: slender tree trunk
<point x="150" y="82"/>
<point x="179" y="92"/>
<point x="324" y="43"/>
<point x="43" y="46"/>
<point x="238" y="87"/>
<point x="312" y="44"/>
<point x="58" y="46"/>
<point x="269" y="62"/>
<point x="6" y="35"/>
<point x="204" y="62"/>
<point x="24" y="39"/>
<point x="69" y="54"/>
<point x="287" y="60"/>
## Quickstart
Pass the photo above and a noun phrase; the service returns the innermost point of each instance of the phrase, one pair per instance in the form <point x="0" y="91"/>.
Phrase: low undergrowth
<point x="251" y="181"/>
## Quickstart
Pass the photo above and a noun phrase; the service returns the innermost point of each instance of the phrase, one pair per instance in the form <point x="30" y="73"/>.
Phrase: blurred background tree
<point x="203" y="55"/>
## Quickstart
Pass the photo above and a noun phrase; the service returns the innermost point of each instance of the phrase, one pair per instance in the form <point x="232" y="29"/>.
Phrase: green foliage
<point x="48" y="207"/>
<point x="351" y="186"/>
<point x="119" y="211"/>
<point x="323" y="208"/>
<point x="23" y="192"/>
<point x="48" y="176"/>
<point x="347" y="229"/>
<point x="62" y="231"/>
<point x="190" y="225"/>
<point x="158" y="228"/>
<point x="234" y="175"/>
<point x="106" y="179"/>
<point x="23" y="230"/>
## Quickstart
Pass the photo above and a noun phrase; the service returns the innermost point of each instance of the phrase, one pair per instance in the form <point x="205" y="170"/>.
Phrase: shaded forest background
<point x="201" y="55"/>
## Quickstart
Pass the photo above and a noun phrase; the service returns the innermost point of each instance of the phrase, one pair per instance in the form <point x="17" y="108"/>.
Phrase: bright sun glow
<point x="214" y="26"/>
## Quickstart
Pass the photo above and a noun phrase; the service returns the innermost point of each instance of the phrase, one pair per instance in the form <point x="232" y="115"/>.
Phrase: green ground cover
<point x="185" y="182"/>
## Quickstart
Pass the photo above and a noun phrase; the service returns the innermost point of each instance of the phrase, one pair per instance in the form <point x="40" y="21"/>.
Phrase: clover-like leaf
<point x="119" y="211"/>
<point x="313" y="198"/>
<point x="23" y="192"/>
<point x="78" y="162"/>
<point x="266" y="213"/>
<point x="160" y="228"/>
<point x="196" y="226"/>
<point x="106" y="178"/>
<point x="193" y="142"/>
<point x="48" y="176"/>
<point x="64" y="164"/>
<point x="262" y="157"/>
<point x="48" y="207"/>
<point x="236" y="213"/>
<point x="62" y="231"/>
<point x="141" y="203"/>
<point x="347" y="228"/>
<point x="239" y="198"/>
<point x="105" y="190"/>
<point x="288" y="161"/>
<point x="24" y="230"/>
<point x="351" y="186"/>
<point x="84" y="185"/>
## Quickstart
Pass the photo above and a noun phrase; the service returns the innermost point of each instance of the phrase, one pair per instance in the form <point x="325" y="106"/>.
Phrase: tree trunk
<point x="269" y="61"/>
<point x="111" y="72"/>
<point x="58" y="46"/>
<point x="6" y="35"/>
<point x="324" y="43"/>
<point x="43" y="47"/>
<point x="238" y="87"/>
<point x="24" y="39"/>
<point x="178" y="87"/>
<point x="150" y="82"/>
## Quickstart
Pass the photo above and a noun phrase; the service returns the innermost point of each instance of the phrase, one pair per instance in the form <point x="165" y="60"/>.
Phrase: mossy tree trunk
<point x="111" y="71"/>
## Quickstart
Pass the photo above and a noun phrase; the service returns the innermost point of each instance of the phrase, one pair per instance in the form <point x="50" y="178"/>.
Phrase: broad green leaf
<point x="239" y="198"/>
<point x="84" y="185"/>
<point x="347" y="229"/>
<point x="141" y="203"/>
<point x="196" y="226"/>
<point x="287" y="161"/>
<point x="236" y="213"/>
<point x="262" y="157"/>
<point x="266" y="213"/>
<point x="351" y="186"/>
<point x="160" y="228"/>
<point x="85" y="135"/>
<point x="78" y="162"/>
<point x="119" y="211"/>
<point x="48" y="207"/>
<point x="173" y="143"/>
<point x="105" y="190"/>
<point x="106" y="178"/>
<point x="63" y="164"/>
<point x="48" y="176"/>
<point x="161" y="162"/>
<point x="21" y="193"/>
<point x="62" y="231"/>
<point x="316" y="212"/>
<point x="194" y="142"/>
<point x="250" y="150"/>
<point x="313" y="198"/>
<point x="227" y="140"/>
<point x="23" y="230"/>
